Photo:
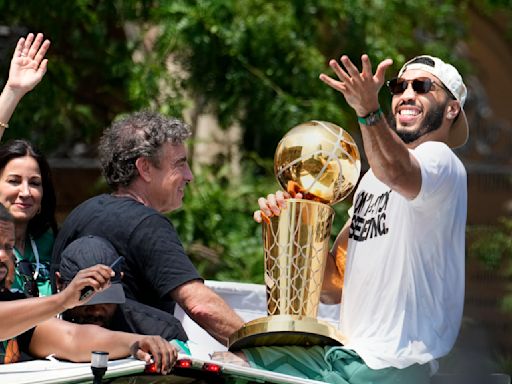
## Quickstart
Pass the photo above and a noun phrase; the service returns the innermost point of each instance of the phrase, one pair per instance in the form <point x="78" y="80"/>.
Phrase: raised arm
<point x="17" y="316"/>
<point x="388" y="156"/>
<point x="28" y="67"/>
<point x="75" y="342"/>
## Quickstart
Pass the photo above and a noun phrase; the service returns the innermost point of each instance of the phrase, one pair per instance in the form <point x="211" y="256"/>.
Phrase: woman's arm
<point x="28" y="67"/>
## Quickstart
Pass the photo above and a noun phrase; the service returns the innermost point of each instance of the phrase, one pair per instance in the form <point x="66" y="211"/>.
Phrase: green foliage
<point x="258" y="62"/>
<point x="493" y="245"/>
<point x="91" y="73"/>
<point x="216" y="223"/>
<point x="251" y="61"/>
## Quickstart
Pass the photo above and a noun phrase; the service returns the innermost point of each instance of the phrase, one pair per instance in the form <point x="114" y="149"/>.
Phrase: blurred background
<point x="242" y="73"/>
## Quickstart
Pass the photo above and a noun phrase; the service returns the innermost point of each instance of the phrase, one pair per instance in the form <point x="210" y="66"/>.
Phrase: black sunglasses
<point x="26" y="273"/>
<point x="420" y="85"/>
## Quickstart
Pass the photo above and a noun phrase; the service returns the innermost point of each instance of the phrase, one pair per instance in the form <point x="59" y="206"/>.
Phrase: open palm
<point x="28" y="64"/>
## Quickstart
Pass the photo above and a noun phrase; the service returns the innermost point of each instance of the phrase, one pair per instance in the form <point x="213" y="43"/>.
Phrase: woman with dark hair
<point x="27" y="191"/>
<point x="25" y="175"/>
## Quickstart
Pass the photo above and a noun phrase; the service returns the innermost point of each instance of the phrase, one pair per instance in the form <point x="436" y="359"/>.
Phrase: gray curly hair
<point x="138" y="134"/>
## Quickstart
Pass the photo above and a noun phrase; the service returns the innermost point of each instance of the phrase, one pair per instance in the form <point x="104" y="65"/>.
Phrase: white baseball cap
<point x="452" y="80"/>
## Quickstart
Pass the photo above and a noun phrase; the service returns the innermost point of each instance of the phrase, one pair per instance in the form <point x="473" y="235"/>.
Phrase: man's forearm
<point x="218" y="319"/>
<point x="207" y="309"/>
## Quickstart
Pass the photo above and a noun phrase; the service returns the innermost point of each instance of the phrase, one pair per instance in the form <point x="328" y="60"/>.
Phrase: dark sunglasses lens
<point x="422" y="86"/>
<point x="396" y="86"/>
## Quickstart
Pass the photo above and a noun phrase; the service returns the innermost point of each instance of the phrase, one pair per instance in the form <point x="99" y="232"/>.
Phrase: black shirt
<point x="139" y="318"/>
<point x="155" y="261"/>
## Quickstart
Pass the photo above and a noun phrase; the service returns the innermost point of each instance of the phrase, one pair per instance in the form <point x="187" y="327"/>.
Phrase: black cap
<point x="86" y="252"/>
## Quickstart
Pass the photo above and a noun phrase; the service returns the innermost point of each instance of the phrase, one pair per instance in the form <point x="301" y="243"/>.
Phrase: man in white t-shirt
<point x="403" y="288"/>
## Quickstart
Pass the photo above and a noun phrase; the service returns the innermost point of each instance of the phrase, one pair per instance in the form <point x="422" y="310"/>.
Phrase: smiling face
<point x="416" y="114"/>
<point x="168" y="180"/>
<point x="21" y="189"/>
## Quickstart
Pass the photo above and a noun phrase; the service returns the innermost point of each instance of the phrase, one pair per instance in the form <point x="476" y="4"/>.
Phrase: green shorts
<point x="332" y="365"/>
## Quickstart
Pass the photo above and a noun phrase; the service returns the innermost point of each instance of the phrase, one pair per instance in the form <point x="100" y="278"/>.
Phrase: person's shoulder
<point x="438" y="152"/>
<point x="433" y="146"/>
<point x="90" y="203"/>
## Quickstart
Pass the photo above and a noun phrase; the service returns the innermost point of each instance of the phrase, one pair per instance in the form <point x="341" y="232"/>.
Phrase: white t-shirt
<point x="404" y="282"/>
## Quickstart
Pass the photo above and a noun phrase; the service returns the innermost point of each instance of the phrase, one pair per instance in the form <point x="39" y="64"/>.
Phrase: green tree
<point x="251" y="61"/>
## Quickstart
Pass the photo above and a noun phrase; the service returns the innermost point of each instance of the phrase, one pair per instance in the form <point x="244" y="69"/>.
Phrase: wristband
<point x="372" y="118"/>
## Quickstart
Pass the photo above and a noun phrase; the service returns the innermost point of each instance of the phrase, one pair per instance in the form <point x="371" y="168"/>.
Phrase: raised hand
<point x="97" y="277"/>
<point x="28" y="64"/>
<point x="360" y="89"/>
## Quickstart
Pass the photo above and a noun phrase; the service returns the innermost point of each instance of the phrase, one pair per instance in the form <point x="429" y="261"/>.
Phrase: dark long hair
<point x="44" y="220"/>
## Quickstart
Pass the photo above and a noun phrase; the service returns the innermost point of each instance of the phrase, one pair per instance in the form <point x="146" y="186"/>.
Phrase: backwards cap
<point x="452" y="80"/>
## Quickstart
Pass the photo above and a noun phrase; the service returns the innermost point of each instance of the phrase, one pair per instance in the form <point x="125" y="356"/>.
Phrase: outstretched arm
<point x="28" y="67"/>
<point x="17" y="316"/>
<point x="75" y="342"/>
<point x="388" y="156"/>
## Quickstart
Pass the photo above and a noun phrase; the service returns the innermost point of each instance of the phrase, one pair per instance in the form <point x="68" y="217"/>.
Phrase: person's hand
<point x="97" y="277"/>
<point x="154" y="349"/>
<point x="28" y="64"/>
<point x="272" y="205"/>
<point x="359" y="89"/>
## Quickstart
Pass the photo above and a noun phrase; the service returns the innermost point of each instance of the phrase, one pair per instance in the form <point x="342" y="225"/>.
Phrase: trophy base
<point x="281" y="330"/>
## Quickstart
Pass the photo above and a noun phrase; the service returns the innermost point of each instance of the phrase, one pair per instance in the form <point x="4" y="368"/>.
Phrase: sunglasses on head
<point x="420" y="85"/>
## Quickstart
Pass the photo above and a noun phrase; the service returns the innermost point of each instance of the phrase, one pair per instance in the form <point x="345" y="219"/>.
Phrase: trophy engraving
<point x="321" y="161"/>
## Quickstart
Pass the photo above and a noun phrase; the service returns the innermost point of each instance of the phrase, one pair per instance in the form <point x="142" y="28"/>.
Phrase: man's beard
<point x="432" y="121"/>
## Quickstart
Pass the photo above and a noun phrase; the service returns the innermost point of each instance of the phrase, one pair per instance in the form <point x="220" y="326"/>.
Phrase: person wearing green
<point x="33" y="267"/>
<point x="26" y="188"/>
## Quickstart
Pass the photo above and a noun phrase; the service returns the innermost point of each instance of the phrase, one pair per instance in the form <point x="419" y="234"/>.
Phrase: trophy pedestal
<point x="282" y="330"/>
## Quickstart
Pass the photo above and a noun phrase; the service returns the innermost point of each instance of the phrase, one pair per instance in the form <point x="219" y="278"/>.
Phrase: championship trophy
<point x="321" y="161"/>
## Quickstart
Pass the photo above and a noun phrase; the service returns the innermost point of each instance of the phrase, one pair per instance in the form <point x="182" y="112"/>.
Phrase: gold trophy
<point x="321" y="161"/>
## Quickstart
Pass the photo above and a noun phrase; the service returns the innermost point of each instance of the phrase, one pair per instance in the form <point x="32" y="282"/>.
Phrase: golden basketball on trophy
<point x="321" y="161"/>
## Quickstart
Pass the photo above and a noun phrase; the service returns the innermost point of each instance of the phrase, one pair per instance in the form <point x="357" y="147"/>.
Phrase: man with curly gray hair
<point x="144" y="160"/>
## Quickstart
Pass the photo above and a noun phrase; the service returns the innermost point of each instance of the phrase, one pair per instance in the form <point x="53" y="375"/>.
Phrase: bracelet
<point x="4" y="125"/>
<point x="372" y="118"/>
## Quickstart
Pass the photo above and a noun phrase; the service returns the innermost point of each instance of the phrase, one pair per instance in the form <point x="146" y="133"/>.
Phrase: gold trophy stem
<point x="296" y="247"/>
